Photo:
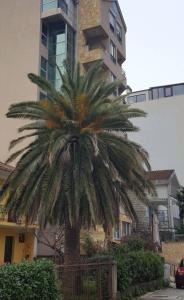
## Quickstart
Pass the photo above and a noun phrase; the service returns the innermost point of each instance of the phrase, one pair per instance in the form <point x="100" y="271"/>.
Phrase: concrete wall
<point x="19" y="55"/>
<point x="161" y="133"/>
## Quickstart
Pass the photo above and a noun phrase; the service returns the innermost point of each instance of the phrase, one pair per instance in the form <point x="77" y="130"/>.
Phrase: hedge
<point x="28" y="281"/>
<point x="137" y="267"/>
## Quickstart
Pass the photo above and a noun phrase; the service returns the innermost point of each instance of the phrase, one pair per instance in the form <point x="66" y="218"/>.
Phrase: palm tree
<point x="79" y="165"/>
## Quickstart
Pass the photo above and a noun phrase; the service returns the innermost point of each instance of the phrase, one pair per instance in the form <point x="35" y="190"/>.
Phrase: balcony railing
<point x="8" y="217"/>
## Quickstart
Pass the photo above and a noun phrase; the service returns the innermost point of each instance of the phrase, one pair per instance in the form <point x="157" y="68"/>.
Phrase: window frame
<point x="42" y="69"/>
<point x="119" y="37"/>
<point x="112" y="17"/>
<point x="113" y="54"/>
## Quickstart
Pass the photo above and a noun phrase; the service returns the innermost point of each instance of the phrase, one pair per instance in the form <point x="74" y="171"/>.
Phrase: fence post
<point x="114" y="280"/>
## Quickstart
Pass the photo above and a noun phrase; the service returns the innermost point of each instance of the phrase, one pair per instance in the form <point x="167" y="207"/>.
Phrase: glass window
<point x="168" y="91"/>
<point x="131" y="99"/>
<point x="49" y="4"/>
<point x="155" y="94"/>
<point x="141" y="98"/>
<point x="44" y="35"/>
<point x="43" y="68"/>
<point x="113" y="51"/>
<point x="161" y="92"/>
<point x="126" y="228"/>
<point x="112" y="21"/>
<point x="178" y="89"/>
<point x="63" y="5"/>
<point x="113" y="78"/>
<point x="117" y="234"/>
<point x="119" y="32"/>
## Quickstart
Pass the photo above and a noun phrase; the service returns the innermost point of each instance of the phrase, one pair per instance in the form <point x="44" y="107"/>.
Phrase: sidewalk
<point x="166" y="294"/>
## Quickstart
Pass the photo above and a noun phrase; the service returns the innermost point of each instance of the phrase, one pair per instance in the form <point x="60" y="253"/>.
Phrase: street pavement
<point x="166" y="294"/>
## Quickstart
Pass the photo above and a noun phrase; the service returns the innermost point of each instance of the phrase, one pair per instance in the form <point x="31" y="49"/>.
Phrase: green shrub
<point x="137" y="267"/>
<point x="28" y="281"/>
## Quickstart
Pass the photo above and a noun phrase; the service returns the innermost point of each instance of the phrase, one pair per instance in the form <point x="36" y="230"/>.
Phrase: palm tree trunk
<point x="71" y="278"/>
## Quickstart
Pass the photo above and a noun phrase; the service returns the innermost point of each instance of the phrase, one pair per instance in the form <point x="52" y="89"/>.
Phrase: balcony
<point x="8" y="220"/>
<point x="56" y="10"/>
<point x="89" y="56"/>
<point x="95" y="32"/>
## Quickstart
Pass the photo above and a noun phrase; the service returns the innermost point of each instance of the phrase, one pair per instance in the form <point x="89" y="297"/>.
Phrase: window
<point x="168" y="91"/>
<point x="63" y="5"/>
<point x="131" y="99"/>
<point x="113" y="78"/>
<point x="141" y="98"/>
<point x="43" y="68"/>
<point x="112" y="21"/>
<point x="53" y="4"/>
<point x="178" y="89"/>
<point x="117" y="234"/>
<point x="113" y="51"/>
<point x="136" y="98"/>
<point x="44" y="35"/>
<point x="119" y="32"/>
<point x="126" y="228"/>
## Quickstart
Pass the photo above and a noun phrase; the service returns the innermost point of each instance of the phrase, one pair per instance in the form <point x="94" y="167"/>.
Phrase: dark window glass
<point x="155" y="94"/>
<point x="161" y="92"/>
<point x="113" y="51"/>
<point x="168" y="91"/>
<point x="119" y="32"/>
<point x="44" y="35"/>
<point x="117" y="233"/>
<point x="113" y="78"/>
<point x="131" y="99"/>
<point x="178" y="89"/>
<point x="141" y="98"/>
<point x="112" y="22"/>
<point x="63" y="5"/>
<point x="43" y="68"/>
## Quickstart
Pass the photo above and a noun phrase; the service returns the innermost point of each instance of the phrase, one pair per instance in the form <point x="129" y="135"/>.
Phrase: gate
<point x="90" y="281"/>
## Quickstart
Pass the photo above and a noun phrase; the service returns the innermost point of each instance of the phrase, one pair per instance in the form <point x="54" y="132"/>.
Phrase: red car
<point x="179" y="276"/>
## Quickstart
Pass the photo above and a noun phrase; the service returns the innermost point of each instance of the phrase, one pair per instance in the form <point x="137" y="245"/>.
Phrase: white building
<point x="162" y="131"/>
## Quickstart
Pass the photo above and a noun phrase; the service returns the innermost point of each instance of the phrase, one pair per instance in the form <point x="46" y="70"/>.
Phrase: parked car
<point x="179" y="276"/>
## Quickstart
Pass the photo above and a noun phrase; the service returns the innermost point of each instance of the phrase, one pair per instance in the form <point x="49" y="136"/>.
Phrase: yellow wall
<point x="20" y="250"/>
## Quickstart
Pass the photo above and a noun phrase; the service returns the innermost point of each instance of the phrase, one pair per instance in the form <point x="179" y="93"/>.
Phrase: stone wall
<point x="173" y="251"/>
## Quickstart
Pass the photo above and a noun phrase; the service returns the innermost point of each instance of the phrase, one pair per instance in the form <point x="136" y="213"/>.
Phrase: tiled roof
<point x="160" y="174"/>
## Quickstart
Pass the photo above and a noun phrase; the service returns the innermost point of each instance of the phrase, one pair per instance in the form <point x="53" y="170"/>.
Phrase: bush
<point x="28" y="281"/>
<point x="138" y="267"/>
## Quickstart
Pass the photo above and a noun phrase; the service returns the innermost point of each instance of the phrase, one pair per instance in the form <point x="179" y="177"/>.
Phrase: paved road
<point x="167" y="294"/>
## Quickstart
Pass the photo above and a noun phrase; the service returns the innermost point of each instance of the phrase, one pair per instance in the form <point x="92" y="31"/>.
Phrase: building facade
<point x="160" y="213"/>
<point x="161" y="132"/>
<point x="38" y="34"/>
<point x="16" y="238"/>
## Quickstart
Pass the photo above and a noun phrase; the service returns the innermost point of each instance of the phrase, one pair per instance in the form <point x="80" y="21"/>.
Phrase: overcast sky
<point x="155" y="42"/>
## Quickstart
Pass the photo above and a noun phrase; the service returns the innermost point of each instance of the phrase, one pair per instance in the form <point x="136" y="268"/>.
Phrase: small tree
<point x="52" y="238"/>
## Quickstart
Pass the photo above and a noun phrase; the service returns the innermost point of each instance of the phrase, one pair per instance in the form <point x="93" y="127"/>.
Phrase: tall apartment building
<point x="161" y="132"/>
<point x="36" y="34"/>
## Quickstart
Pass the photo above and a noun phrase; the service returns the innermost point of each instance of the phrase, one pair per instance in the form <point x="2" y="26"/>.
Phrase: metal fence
<point x="91" y="281"/>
